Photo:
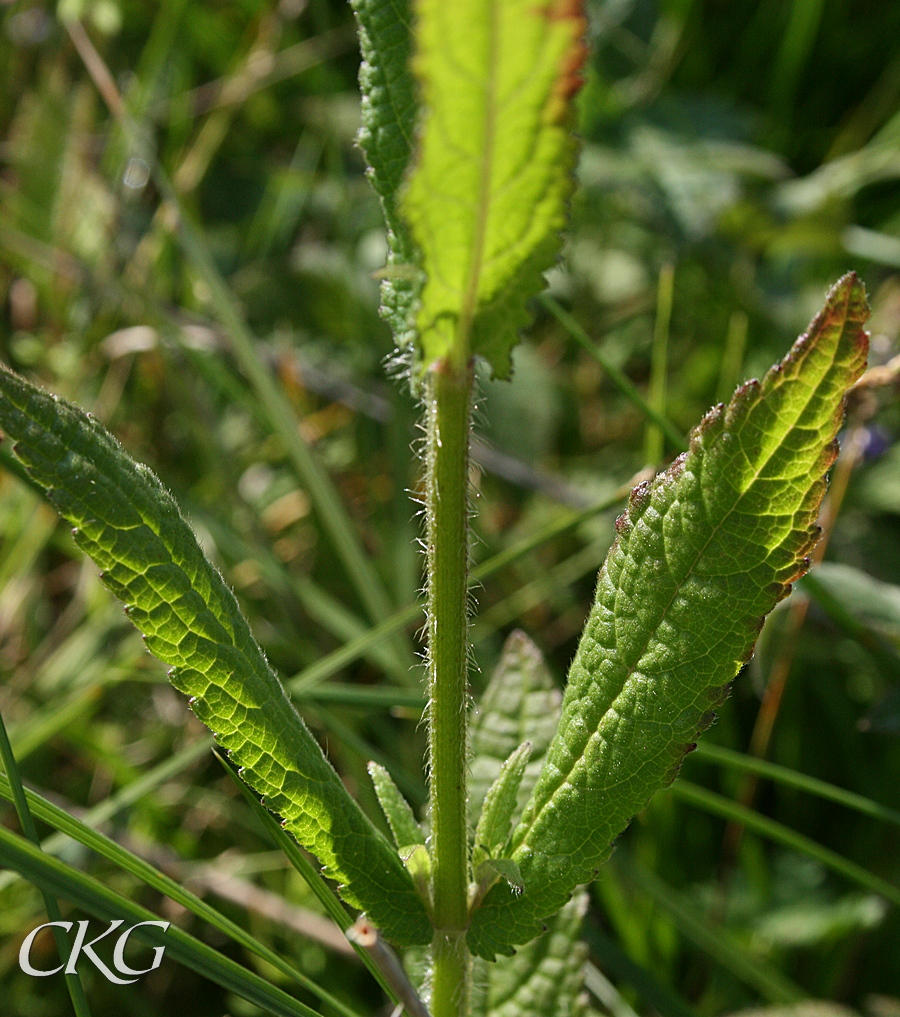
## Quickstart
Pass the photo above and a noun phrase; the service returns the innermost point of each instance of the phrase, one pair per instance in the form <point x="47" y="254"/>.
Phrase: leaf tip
<point x="845" y="311"/>
<point x="850" y="291"/>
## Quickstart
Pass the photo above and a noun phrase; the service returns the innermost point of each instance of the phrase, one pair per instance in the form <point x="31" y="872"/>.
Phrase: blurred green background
<point x="754" y="147"/>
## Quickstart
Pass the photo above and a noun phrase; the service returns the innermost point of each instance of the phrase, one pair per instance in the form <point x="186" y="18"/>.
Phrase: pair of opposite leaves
<point x="702" y="554"/>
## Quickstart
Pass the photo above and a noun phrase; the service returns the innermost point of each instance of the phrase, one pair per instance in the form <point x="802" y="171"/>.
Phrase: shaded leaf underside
<point x="702" y="554"/>
<point x="389" y="113"/>
<point x="521" y="703"/>
<point x="129" y="524"/>
<point x="545" y="978"/>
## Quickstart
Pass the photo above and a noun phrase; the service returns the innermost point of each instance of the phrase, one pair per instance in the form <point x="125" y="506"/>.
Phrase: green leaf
<point x="396" y="809"/>
<point x="310" y="874"/>
<point x="386" y="137"/>
<point x="520" y="703"/>
<point x="702" y="554"/>
<point x="487" y="192"/>
<point x="544" y="978"/>
<point x="129" y="524"/>
<point x="418" y="861"/>
<point x="495" y="822"/>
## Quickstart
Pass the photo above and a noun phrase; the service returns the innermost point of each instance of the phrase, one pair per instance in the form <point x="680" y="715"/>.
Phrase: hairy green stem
<point x="451" y="969"/>
<point x="448" y="406"/>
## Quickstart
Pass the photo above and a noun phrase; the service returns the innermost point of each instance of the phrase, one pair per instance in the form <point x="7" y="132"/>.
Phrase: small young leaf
<point x="492" y="870"/>
<point x="521" y="702"/>
<point x="495" y="822"/>
<point x="130" y="525"/>
<point x="396" y="809"/>
<point x="703" y="553"/>
<point x="418" y="863"/>
<point x="487" y="191"/>
<point x="544" y="979"/>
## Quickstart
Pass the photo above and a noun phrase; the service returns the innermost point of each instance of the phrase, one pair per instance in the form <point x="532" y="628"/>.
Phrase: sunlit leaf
<point x="129" y="524"/>
<point x="487" y="192"/>
<point x="703" y="552"/>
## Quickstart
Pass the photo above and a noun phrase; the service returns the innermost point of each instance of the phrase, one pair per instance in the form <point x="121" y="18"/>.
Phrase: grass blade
<point x="92" y="896"/>
<point x="137" y="867"/>
<point x="716" y="941"/>
<point x="617" y="377"/>
<point x="19" y="799"/>
<point x="791" y="778"/>
<point x="709" y="801"/>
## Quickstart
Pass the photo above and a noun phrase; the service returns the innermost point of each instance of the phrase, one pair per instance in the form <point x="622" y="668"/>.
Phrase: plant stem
<point x="449" y="389"/>
<point x="450" y="975"/>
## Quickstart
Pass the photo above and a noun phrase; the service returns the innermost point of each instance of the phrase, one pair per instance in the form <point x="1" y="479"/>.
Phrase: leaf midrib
<point x="470" y="293"/>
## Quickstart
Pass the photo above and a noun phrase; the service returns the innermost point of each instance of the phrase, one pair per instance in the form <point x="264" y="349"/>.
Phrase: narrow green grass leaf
<point x="702" y="554"/>
<point x="615" y="374"/>
<point x="487" y="191"/>
<point x="771" y="828"/>
<point x="92" y="896"/>
<point x="366" y="697"/>
<point x="603" y="990"/>
<point x="49" y="813"/>
<point x="793" y="778"/>
<point x="128" y="523"/>
<point x="17" y="794"/>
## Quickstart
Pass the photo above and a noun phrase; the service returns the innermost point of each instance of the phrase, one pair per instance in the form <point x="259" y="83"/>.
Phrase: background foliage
<point x="752" y="146"/>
